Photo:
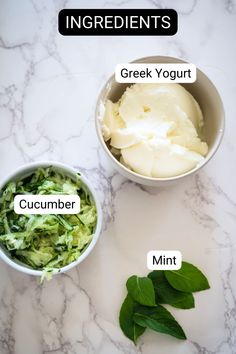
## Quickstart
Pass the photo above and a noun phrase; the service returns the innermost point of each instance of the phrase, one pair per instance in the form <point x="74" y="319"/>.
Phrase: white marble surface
<point x="48" y="89"/>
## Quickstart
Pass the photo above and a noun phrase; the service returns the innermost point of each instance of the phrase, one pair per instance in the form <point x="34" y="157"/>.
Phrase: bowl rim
<point x="159" y="179"/>
<point x="71" y="170"/>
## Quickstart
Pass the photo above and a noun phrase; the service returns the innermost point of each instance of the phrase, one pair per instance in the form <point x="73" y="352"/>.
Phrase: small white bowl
<point x="22" y="172"/>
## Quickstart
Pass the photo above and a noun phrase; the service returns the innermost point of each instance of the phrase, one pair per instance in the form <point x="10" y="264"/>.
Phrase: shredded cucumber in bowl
<point x="46" y="242"/>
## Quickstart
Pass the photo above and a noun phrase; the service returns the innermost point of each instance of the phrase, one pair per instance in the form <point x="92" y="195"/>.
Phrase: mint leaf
<point x="141" y="290"/>
<point x="158" y="319"/>
<point x="130" y="329"/>
<point x="165" y="294"/>
<point x="188" y="279"/>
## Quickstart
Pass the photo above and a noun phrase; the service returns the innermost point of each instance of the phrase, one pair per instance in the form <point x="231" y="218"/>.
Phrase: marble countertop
<point x="48" y="89"/>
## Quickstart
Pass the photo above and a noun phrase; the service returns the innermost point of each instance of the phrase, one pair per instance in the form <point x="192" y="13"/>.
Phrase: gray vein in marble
<point x="63" y="345"/>
<point x="201" y="197"/>
<point x="116" y="3"/>
<point x="230" y="6"/>
<point x="162" y="5"/>
<point x="7" y="340"/>
<point x="6" y="46"/>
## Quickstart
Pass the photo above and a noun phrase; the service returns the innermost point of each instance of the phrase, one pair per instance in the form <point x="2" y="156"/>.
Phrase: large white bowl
<point x="70" y="172"/>
<point x="205" y="94"/>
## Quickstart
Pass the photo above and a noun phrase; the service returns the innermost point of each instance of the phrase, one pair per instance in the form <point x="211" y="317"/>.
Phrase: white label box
<point x="164" y="260"/>
<point x="156" y="73"/>
<point x="46" y="204"/>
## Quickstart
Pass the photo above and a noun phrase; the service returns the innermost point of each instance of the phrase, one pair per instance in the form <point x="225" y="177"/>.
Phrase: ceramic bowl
<point x="70" y="172"/>
<point x="205" y="94"/>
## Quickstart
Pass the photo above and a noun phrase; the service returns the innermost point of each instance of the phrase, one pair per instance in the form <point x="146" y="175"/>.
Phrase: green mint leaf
<point x="188" y="279"/>
<point x="165" y="294"/>
<point x="141" y="290"/>
<point x="130" y="329"/>
<point x="158" y="319"/>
